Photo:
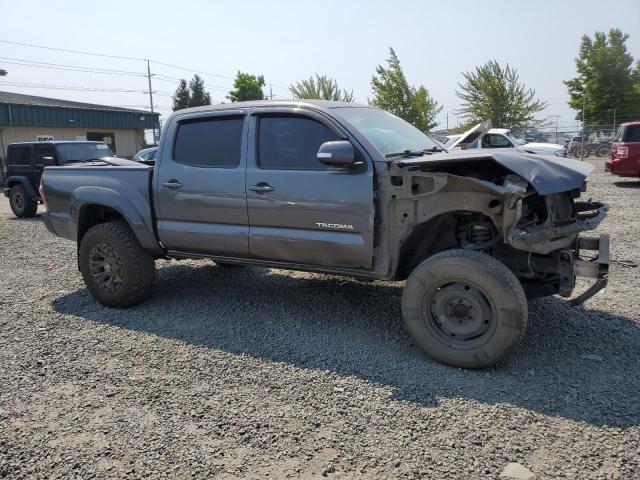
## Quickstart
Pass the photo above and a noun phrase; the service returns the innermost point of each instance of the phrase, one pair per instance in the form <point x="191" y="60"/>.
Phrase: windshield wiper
<point x="406" y="153"/>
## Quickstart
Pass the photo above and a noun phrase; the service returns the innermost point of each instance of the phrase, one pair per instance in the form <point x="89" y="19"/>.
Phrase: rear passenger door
<point x="300" y="210"/>
<point x="200" y="185"/>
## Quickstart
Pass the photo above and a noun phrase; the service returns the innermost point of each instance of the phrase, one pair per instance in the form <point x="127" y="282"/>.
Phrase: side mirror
<point x="49" y="161"/>
<point x="338" y="153"/>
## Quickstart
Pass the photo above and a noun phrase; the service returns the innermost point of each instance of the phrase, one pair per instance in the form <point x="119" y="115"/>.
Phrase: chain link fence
<point x="591" y="141"/>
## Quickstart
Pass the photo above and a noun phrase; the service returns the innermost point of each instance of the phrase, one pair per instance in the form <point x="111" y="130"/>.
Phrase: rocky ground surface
<point x="256" y="373"/>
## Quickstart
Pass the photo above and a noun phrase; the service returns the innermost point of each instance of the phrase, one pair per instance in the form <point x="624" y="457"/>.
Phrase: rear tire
<point x="603" y="151"/>
<point x="581" y="152"/>
<point x="115" y="268"/>
<point x="465" y="308"/>
<point x="21" y="203"/>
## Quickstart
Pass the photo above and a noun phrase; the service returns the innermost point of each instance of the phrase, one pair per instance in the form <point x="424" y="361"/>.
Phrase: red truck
<point x="625" y="151"/>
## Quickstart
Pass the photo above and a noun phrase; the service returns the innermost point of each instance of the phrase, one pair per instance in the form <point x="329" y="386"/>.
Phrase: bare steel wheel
<point x="460" y="313"/>
<point x="106" y="267"/>
<point x="464" y="308"/>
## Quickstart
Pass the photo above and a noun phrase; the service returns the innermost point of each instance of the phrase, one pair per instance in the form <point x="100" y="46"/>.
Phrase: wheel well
<point x="91" y="215"/>
<point x="436" y="235"/>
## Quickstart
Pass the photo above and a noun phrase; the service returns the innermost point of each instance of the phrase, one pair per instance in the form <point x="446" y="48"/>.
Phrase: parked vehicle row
<point x="491" y="138"/>
<point x="24" y="163"/>
<point x="344" y="189"/>
<point x="580" y="148"/>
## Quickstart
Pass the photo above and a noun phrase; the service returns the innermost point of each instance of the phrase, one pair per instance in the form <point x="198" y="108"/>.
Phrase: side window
<point x="209" y="142"/>
<point x="473" y="145"/>
<point x="42" y="152"/>
<point x="631" y="134"/>
<point x="496" y="141"/>
<point x="19" y="156"/>
<point x="291" y="143"/>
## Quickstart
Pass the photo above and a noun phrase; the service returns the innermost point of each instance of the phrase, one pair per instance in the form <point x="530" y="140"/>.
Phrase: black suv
<point x="23" y="165"/>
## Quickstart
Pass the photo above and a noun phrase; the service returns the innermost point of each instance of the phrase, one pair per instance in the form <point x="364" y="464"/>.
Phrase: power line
<point x="72" y="68"/>
<point x="72" y="51"/>
<point x="68" y="87"/>
<point x="170" y="65"/>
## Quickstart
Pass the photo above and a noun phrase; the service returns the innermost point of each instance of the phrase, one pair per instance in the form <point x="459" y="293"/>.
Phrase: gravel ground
<point x="255" y="373"/>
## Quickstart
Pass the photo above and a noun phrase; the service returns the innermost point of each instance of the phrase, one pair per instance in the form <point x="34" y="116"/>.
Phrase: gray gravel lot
<point x="256" y="373"/>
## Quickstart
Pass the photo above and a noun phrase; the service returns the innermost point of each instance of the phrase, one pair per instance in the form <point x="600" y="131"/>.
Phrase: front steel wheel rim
<point x="460" y="314"/>
<point x="106" y="267"/>
<point x="18" y="200"/>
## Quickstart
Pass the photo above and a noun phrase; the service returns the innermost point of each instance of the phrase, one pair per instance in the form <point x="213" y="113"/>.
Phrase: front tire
<point x="465" y="308"/>
<point x="115" y="268"/>
<point x="22" y="205"/>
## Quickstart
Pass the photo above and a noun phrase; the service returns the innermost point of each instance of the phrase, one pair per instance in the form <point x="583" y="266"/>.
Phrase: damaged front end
<point x="549" y="231"/>
<point x="522" y="209"/>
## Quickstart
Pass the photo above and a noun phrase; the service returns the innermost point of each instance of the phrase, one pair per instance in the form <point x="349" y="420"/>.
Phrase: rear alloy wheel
<point x="22" y="205"/>
<point x="115" y="268"/>
<point x="464" y="308"/>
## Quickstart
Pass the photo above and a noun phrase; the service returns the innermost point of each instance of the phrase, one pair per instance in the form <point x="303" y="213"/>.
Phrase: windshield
<point x="82" y="152"/>
<point x="514" y="140"/>
<point x="388" y="133"/>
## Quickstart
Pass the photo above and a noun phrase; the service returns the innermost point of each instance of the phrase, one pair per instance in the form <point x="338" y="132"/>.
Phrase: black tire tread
<point x="469" y="259"/>
<point x="140" y="266"/>
<point x="30" y="208"/>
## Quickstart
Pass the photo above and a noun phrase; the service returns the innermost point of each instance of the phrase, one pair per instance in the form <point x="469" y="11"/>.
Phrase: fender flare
<point x="106" y="197"/>
<point x="24" y="181"/>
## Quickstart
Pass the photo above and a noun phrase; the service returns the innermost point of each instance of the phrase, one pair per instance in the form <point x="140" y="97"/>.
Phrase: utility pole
<point x="151" y="96"/>
<point x="584" y="105"/>
<point x="270" y="92"/>
<point x="447" y="123"/>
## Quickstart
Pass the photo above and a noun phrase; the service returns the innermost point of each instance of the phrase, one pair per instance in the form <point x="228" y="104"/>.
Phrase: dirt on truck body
<point x="345" y="189"/>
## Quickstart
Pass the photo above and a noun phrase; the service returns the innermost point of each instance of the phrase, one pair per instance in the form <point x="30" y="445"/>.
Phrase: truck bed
<point x="71" y="189"/>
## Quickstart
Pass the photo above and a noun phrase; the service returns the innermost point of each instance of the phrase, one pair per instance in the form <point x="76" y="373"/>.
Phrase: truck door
<point x="199" y="181"/>
<point x="300" y="210"/>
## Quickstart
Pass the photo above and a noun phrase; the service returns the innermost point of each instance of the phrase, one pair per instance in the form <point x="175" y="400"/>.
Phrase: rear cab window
<point x="82" y="152"/>
<point x="209" y="142"/>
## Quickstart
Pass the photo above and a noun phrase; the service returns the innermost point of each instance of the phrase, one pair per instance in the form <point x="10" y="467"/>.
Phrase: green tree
<point x="607" y="80"/>
<point x="181" y="97"/>
<point x="492" y="92"/>
<point x="321" y="87"/>
<point x="198" y="95"/>
<point x="392" y="92"/>
<point x="247" y="87"/>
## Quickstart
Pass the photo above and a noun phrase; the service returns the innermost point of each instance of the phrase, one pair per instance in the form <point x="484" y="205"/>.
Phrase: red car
<point x="625" y="151"/>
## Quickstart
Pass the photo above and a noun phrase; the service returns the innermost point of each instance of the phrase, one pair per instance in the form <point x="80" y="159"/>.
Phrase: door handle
<point x="261" y="188"/>
<point x="172" y="184"/>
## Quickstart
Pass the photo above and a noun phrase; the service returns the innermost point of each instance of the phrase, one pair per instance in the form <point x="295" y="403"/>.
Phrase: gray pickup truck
<point x="343" y="189"/>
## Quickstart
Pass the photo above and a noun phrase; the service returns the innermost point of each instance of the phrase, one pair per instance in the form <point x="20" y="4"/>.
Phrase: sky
<point x="287" y="41"/>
